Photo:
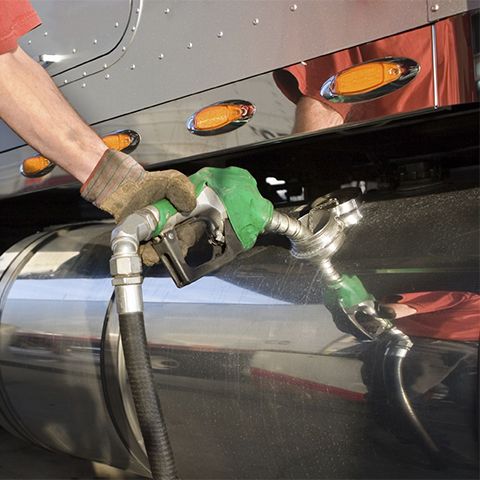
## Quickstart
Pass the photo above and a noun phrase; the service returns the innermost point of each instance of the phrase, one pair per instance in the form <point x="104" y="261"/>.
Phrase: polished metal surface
<point x="76" y="32"/>
<point x="345" y="204"/>
<point x="257" y="377"/>
<point x="196" y="59"/>
<point x="160" y="118"/>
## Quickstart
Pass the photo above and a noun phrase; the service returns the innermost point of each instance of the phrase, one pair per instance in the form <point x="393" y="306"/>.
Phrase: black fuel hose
<point x="394" y="383"/>
<point x="147" y="405"/>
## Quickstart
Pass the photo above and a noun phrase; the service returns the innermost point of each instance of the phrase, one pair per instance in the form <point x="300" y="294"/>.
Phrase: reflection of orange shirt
<point x="442" y="315"/>
<point x="456" y="82"/>
<point x="17" y="17"/>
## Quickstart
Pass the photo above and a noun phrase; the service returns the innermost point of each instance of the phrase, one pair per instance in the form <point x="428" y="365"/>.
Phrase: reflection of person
<point x="31" y="104"/>
<point x="301" y="83"/>
<point x="441" y="315"/>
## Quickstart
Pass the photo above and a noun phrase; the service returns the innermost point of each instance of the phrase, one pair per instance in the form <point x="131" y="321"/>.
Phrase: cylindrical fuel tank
<point x="257" y="378"/>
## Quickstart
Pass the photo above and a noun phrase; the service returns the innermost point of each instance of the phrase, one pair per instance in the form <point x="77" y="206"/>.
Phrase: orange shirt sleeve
<point x="17" y="17"/>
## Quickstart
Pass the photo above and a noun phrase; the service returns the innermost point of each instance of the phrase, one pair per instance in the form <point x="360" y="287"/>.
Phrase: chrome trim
<point x="411" y="67"/>
<point x="434" y="67"/>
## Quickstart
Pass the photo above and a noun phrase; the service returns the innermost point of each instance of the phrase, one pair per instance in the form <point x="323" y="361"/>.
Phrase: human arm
<point x="32" y="105"/>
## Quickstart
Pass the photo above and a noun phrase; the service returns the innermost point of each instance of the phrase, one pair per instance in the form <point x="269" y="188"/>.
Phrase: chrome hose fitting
<point x="125" y="263"/>
<point x="290" y="227"/>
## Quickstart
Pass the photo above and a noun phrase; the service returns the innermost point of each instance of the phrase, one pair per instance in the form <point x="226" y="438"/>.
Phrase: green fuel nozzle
<point x="234" y="214"/>
<point x="249" y="213"/>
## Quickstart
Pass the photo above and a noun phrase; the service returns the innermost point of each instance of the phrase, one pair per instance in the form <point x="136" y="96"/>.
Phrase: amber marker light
<point x="369" y="80"/>
<point x="217" y="116"/>
<point x="38" y="166"/>
<point x="220" y="117"/>
<point x="367" y="77"/>
<point x="125" y="141"/>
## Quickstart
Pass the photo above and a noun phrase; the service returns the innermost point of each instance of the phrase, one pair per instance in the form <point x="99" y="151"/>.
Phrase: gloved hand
<point x="188" y="235"/>
<point x="120" y="186"/>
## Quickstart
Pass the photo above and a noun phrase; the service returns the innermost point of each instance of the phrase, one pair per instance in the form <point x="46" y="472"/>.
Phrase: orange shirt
<point x="442" y="315"/>
<point x="17" y="17"/>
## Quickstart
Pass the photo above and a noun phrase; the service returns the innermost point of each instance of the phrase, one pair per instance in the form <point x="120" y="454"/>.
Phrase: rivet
<point x="124" y="48"/>
<point x="190" y="45"/>
<point x="95" y="41"/>
<point x="132" y="67"/>
<point x="74" y="50"/>
<point x="435" y="8"/>
<point x="256" y="21"/>
<point x="84" y="85"/>
<point x="105" y="65"/>
<point x="116" y="24"/>
<point x="293" y="7"/>
<point x="137" y="10"/>
<point x="65" y="81"/>
<point x="161" y="56"/>
<point x="134" y="28"/>
<point x="220" y="34"/>
<point x="45" y="34"/>
<point x="107" y="76"/>
<point x="166" y="11"/>
<point x="84" y="74"/>
<point x="29" y="42"/>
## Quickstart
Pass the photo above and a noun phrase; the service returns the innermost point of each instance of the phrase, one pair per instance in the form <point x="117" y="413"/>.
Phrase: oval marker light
<point x="369" y="80"/>
<point x="35" y="167"/>
<point x="211" y="118"/>
<point x="220" y="117"/>
<point x="124" y="140"/>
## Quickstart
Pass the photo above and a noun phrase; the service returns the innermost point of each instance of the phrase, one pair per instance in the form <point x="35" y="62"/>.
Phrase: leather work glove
<point x="120" y="186"/>
<point x="188" y="235"/>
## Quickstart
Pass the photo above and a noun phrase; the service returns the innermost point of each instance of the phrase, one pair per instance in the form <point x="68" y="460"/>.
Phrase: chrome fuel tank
<point x="257" y="378"/>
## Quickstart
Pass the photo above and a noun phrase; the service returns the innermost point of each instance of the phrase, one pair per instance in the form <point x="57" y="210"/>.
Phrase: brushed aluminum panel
<point x="438" y="9"/>
<point x="77" y="30"/>
<point x="245" y="48"/>
<point x="229" y="41"/>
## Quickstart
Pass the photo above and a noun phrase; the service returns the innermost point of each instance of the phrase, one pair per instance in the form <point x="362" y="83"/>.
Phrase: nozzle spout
<point x="290" y="227"/>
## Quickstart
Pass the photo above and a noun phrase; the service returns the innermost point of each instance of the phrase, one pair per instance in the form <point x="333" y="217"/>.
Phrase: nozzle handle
<point x="249" y="213"/>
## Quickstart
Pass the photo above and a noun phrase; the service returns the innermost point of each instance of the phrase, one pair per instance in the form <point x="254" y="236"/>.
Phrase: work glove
<point x="120" y="186"/>
<point x="188" y="235"/>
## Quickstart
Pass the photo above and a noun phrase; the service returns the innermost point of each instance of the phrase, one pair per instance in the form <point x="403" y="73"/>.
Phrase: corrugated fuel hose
<point x="147" y="405"/>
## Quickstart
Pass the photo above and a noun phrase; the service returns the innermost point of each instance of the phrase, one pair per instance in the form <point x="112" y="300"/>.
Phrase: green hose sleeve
<point x="349" y="292"/>
<point x="248" y="211"/>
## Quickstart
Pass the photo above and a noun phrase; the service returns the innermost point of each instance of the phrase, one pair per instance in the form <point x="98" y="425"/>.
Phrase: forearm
<point x="32" y="105"/>
<point x="312" y="115"/>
